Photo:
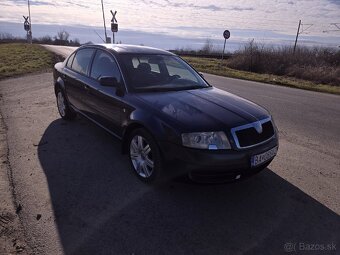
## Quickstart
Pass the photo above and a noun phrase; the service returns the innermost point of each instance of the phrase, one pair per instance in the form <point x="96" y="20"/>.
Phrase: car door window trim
<point x="72" y="69"/>
<point x="115" y="59"/>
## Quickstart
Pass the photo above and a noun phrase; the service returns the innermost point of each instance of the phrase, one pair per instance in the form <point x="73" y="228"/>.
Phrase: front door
<point x="105" y="105"/>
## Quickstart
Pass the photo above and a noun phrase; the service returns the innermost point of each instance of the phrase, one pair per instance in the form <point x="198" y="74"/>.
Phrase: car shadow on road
<point x="102" y="208"/>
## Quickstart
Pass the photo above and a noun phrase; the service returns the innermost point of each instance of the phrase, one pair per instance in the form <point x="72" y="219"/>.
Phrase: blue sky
<point x="172" y="23"/>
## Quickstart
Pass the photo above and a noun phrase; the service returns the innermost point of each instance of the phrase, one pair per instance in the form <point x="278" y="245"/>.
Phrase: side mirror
<point x="201" y="75"/>
<point x="107" y="81"/>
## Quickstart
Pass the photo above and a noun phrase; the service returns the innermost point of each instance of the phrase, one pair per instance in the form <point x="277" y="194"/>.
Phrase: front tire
<point x="145" y="156"/>
<point x="64" y="109"/>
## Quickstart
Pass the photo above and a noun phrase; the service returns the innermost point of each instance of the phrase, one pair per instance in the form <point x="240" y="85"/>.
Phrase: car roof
<point x="129" y="49"/>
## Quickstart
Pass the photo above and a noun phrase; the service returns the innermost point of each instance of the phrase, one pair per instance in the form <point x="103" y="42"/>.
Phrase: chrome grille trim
<point x="253" y="124"/>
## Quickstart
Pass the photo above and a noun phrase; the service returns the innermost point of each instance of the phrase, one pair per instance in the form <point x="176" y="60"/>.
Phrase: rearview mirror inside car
<point x="155" y="60"/>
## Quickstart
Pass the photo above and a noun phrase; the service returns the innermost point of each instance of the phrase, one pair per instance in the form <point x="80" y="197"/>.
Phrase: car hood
<point x="204" y="109"/>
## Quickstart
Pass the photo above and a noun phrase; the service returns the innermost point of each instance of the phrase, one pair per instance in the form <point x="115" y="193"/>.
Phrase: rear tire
<point x="64" y="108"/>
<point x="145" y="156"/>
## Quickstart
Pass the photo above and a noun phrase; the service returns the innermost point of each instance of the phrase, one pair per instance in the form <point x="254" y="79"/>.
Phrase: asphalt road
<point x="79" y="196"/>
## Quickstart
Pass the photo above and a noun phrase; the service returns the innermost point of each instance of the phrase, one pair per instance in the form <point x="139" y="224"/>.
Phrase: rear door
<point x="77" y="78"/>
<point x="106" y="106"/>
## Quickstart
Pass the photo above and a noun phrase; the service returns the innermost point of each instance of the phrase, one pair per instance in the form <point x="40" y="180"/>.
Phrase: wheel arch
<point x="130" y="128"/>
<point x="127" y="131"/>
<point x="59" y="84"/>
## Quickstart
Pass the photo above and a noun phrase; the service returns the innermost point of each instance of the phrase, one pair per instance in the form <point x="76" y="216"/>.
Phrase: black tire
<point x="156" y="173"/>
<point x="65" y="111"/>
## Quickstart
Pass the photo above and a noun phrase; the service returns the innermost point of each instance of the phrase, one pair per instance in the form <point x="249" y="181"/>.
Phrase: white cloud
<point x="171" y="16"/>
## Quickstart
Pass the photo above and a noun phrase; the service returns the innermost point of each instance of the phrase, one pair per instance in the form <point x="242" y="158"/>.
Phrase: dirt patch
<point x="12" y="239"/>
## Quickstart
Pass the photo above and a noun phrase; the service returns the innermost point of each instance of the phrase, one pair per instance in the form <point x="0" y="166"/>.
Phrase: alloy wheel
<point x="141" y="156"/>
<point x="61" y="103"/>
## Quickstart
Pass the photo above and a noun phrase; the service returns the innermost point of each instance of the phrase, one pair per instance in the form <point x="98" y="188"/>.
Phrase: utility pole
<point x="29" y="32"/>
<point x="106" y="38"/>
<point x="297" y="35"/>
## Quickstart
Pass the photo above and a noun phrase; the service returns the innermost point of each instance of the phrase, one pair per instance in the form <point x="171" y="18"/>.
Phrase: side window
<point x="104" y="65"/>
<point x="82" y="60"/>
<point x="70" y="60"/>
<point x="155" y="68"/>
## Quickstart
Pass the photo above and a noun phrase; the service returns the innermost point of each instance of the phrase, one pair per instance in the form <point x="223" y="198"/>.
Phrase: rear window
<point x="82" y="60"/>
<point x="70" y="60"/>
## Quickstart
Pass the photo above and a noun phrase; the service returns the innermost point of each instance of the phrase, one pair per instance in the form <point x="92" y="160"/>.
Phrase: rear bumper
<point x="214" y="163"/>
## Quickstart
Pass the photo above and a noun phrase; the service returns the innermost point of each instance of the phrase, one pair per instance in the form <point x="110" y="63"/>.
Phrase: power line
<point x="305" y="27"/>
<point x="336" y="29"/>
<point x="99" y="36"/>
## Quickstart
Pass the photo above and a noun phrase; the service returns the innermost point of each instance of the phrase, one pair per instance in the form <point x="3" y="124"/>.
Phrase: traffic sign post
<point x="26" y="24"/>
<point x="114" y="25"/>
<point x="226" y="35"/>
<point x="27" y="27"/>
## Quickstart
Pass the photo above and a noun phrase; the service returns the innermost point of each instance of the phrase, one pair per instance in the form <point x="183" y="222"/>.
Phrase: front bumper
<point x="219" y="164"/>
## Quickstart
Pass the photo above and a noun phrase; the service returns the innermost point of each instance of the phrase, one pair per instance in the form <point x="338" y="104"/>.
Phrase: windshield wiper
<point x="162" y="89"/>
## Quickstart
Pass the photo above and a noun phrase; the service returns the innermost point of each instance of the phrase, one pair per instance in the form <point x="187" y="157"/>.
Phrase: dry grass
<point x="213" y="66"/>
<point x="318" y="65"/>
<point x="20" y="58"/>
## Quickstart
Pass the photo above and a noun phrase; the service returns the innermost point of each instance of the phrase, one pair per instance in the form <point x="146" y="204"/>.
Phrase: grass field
<point x="20" y="58"/>
<point x="213" y="66"/>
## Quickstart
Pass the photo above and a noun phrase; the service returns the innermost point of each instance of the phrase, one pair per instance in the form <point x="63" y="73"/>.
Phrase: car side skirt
<point x="97" y="123"/>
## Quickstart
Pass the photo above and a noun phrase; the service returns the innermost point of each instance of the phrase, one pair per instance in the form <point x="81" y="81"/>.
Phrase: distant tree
<point x="208" y="46"/>
<point x="6" y="36"/>
<point x="63" y="35"/>
<point x="9" y="38"/>
<point x="45" y="39"/>
<point x="76" y="42"/>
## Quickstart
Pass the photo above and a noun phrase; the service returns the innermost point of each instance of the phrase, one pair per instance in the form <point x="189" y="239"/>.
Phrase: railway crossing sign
<point x="26" y="24"/>
<point x="114" y="24"/>
<point x="28" y="29"/>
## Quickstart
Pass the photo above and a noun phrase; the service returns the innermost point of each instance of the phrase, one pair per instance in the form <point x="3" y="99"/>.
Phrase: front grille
<point x="246" y="136"/>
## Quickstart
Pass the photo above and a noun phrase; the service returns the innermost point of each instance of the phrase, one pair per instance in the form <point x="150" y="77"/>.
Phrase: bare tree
<point x="63" y="35"/>
<point x="4" y="36"/>
<point x="208" y="47"/>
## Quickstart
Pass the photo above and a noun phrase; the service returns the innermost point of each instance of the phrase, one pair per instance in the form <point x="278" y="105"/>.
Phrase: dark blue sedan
<point x="170" y="120"/>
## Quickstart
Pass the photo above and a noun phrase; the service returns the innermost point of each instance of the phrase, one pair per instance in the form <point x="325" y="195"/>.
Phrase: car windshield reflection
<point x="160" y="73"/>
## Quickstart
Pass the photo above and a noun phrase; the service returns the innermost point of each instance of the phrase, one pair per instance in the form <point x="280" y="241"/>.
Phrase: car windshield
<point x="160" y="73"/>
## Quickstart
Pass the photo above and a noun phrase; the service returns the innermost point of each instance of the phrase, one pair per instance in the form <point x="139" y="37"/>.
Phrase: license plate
<point x="263" y="157"/>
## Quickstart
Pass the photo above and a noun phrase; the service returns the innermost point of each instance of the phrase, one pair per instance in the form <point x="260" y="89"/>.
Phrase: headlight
<point x="206" y="140"/>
